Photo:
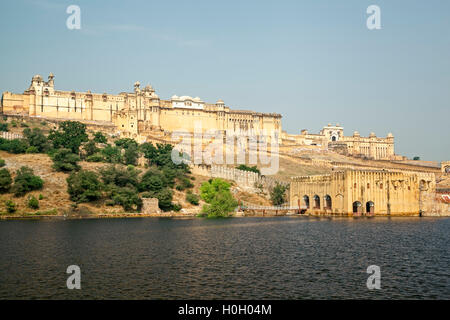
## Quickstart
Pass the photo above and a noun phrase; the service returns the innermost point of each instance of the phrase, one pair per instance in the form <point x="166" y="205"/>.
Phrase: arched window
<point x="327" y="200"/>
<point x="370" y="207"/>
<point x="316" y="202"/>
<point x="306" y="201"/>
<point x="357" y="207"/>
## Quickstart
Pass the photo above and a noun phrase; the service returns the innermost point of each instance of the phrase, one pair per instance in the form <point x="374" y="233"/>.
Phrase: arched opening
<point x="370" y="207"/>
<point x="333" y="138"/>
<point x="327" y="200"/>
<point x="447" y="169"/>
<point x="306" y="201"/>
<point x="423" y="185"/>
<point x="357" y="207"/>
<point x="316" y="202"/>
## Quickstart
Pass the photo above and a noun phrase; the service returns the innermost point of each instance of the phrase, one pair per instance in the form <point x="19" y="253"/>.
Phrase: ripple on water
<point x="245" y="258"/>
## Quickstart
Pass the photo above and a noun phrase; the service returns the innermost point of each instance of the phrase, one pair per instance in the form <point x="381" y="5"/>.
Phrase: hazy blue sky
<point x="315" y="62"/>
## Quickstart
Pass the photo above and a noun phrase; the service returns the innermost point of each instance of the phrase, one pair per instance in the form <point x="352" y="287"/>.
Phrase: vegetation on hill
<point x="26" y="181"/>
<point x="119" y="183"/>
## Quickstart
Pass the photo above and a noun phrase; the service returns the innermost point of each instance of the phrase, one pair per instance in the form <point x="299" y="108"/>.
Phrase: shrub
<point x="218" y="198"/>
<point x="99" y="137"/>
<point x="192" y="198"/>
<point x="64" y="160"/>
<point x="33" y="203"/>
<point x="126" y="143"/>
<point x="3" y="126"/>
<point x="131" y="154"/>
<point x="84" y="186"/>
<point x="14" y="124"/>
<point x="147" y="194"/>
<point x="209" y="189"/>
<point x="111" y="154"/>
<point x="220" y="205"/>
<point x="97" y="157"/>
<point x="70" y="134"/>
<point x="121" y="177"/>
<point x="247" y="168"/>
<point x="165" y="197"/>
<point x="5" y="180"/>
<point x="23" y="125"/>
<point x="90" y="148"/>
<point x="41" y="196"/>
<point x="26" y="181"/>
<point x="11" y="207"/>
<point x="14" y="145"/>
<point x="185" y="183"/>
<point x="126" y="197"/>
<point x="176" y="207"/>
<point x="278" y="194"/>
<point x="2" y="163"/>
<point x="37" y="139"/>
<point x="32" y="150"/>
<point x="152" y="180"/>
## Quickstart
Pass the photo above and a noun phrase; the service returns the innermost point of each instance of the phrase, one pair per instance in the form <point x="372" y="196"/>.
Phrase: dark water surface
<point x="239" y="258"/>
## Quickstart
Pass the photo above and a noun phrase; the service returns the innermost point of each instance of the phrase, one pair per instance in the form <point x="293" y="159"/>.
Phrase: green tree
<point x="25" y="181"/>
<point x="70" y="134"/>
<point x="220" y="205"/>
<point x="5" y="180"/>
<point x="13" y="146"/>
<point x="4" y="126"/>
<point x="99" y="137"/>
<point x="192" y="198"/>
<point x="278" y="194"/>
<point x="121" y="177"/>
<point x="36" y="138"/>
<point x="112" y="154"/>
<point x="84" y="186"/>
<point x="149" y="151"/>
<point x="66" y="161"/>
<point x="11" y="207"/>
<point x="125" y="143"/>
<point x="152" y="180"/>
<point x="165" y="197"/>
<point x="2" y="163"/>
<point x="131" y="155"/>
<point x="218" y="198"/>
<point x="33" y="203"/>
<point x="90" y="148"/>
<point x="126" y="197"/>
<point x="210" y="188"/>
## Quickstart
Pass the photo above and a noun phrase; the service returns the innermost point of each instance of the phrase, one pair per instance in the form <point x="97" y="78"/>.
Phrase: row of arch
<point x="316" y="199"/>
<point x="370" y="207"/>
<point x="357" y="205"/>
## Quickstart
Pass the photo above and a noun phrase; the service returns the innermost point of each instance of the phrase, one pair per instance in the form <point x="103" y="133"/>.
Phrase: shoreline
<point x="191" y="216"/>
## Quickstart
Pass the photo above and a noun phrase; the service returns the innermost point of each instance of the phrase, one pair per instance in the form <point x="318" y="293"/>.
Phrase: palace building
<point x="363" y="192"/>
<point x="138" y="113"/>
<point x="333" y="138"/>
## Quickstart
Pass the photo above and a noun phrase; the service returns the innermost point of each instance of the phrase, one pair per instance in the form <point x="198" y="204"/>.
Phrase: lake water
<point x="238" y="258"/>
